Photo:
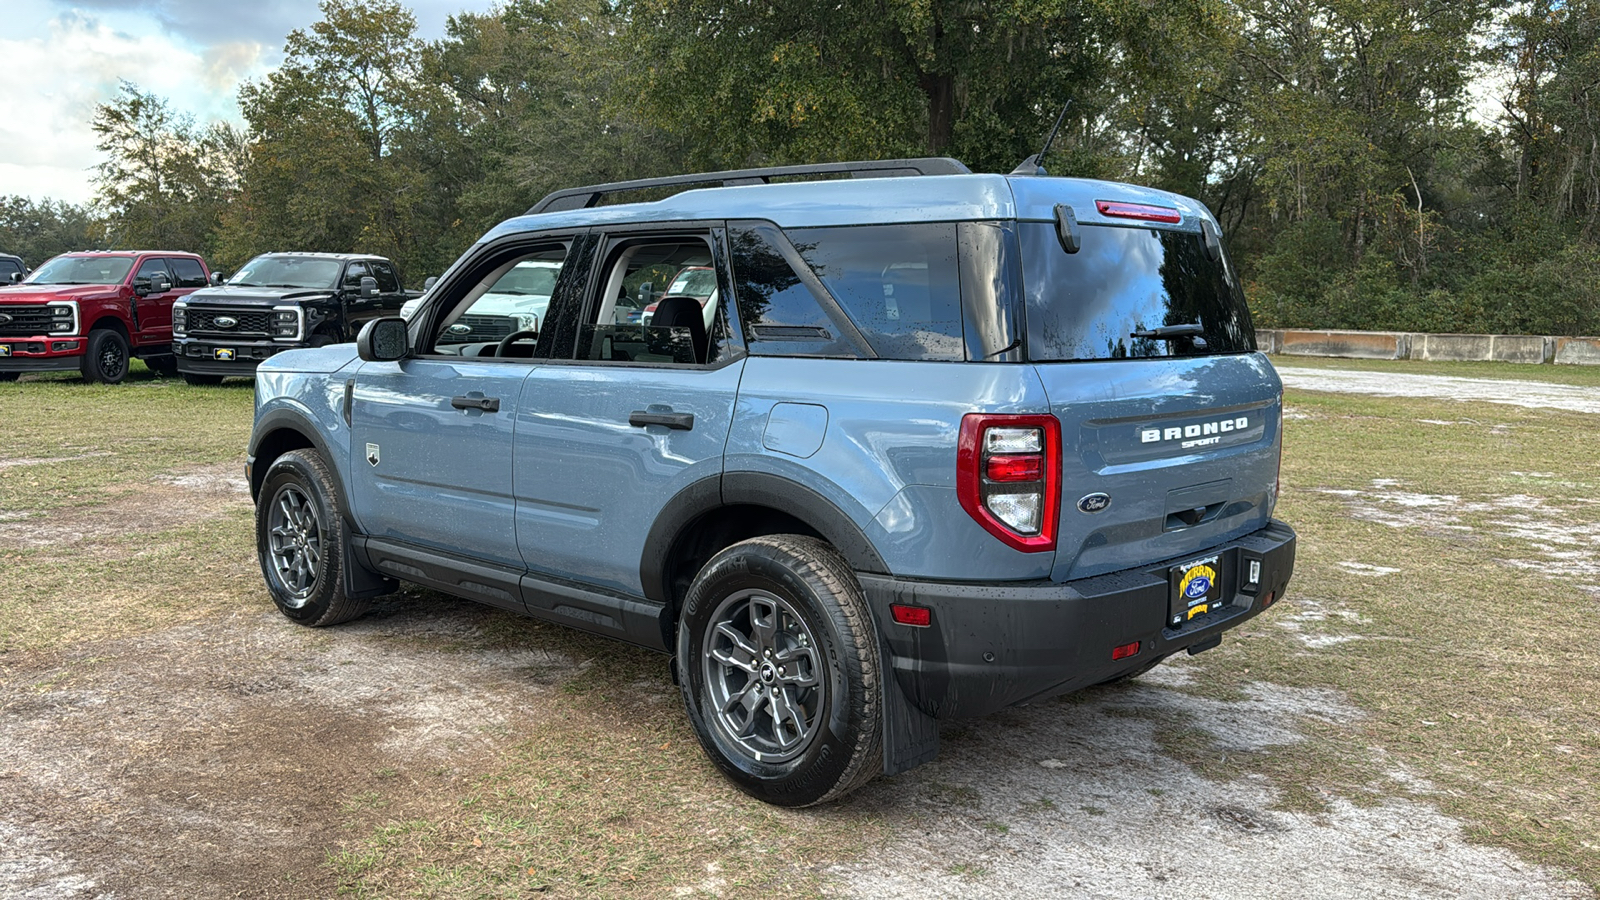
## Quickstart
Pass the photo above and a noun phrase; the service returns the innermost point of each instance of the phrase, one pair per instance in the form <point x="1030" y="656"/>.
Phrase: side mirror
<point x="16" y="277"/>
<point x="383" y="340"/>
<point x="429" y="282"/>
<point x="369" y="286"/>
<point x="155" y="284"/>
<point x="218" y="278"/>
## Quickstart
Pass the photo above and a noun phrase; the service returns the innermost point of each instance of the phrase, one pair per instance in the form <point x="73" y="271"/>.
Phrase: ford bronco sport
<point x="944" y="443"/>
<point x="94" y="311"/>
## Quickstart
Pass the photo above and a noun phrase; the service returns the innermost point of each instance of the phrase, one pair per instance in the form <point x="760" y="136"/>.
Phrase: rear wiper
<point x="1167" y="332"/>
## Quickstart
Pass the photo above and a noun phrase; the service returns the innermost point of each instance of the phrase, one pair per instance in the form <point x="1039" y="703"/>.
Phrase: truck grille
<point x="252" y="323"/>
<point x="479" y="328"/>
<point x="26" y="320"/>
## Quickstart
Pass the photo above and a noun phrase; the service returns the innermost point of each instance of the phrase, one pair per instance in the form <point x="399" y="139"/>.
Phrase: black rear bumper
<point x="990" y="646"/>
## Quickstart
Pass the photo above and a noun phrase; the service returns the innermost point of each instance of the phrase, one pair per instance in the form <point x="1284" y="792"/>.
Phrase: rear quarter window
<point x="1087" y="305"/>
<point x="900" y="284"/>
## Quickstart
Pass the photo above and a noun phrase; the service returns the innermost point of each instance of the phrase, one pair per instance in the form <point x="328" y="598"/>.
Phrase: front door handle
<point x="639" y="418"/>
<point x="487" y="404"/>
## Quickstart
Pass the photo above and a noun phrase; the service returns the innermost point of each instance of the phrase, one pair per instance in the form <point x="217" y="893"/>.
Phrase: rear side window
<point x="387" y="282"/>
<point x="1087" y="305"/>
<point x="782" y="314"/>
<point x="189" y="271"/>
<point x="900" y="284"/>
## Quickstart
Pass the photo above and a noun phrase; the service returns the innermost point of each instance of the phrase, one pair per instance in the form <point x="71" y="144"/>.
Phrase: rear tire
<point x="778" y="663"/>
<point x="202" y="380"/>
<point x="300" y="540"/>
<point x="165" y="365"/>
<point x="106" y="359"/>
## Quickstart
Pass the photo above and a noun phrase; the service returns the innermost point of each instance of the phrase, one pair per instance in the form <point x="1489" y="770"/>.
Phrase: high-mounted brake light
<point x="1140" y="211"/>
<point x="1008" y="477"/>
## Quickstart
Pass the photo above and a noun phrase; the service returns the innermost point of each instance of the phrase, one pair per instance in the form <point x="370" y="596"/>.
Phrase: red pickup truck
<point x="96" y="311"/>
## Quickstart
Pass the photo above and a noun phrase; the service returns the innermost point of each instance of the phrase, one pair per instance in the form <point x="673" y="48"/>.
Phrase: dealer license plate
<point x="1196" y="590"/>
<point x="223" y="353"/>
<point x="5" y="349"/>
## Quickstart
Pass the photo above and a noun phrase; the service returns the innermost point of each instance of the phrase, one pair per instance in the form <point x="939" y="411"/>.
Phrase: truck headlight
<point x="63" y="318"/>
<point x="286" y="323"/>
<point x="180" y="320"/>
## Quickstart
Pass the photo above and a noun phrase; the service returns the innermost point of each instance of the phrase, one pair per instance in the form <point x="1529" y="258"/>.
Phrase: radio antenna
<point x="1034" y="165"/>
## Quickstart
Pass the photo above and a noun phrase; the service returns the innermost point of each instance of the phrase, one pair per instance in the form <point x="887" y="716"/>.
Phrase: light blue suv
<point x="939" y="443"/>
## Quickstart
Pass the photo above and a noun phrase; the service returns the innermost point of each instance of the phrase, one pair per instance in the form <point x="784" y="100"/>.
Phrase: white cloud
<point x="59" y="59"/>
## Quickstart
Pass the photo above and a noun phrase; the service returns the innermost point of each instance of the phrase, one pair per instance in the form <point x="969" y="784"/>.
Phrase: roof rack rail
<point x="586" y="197"/>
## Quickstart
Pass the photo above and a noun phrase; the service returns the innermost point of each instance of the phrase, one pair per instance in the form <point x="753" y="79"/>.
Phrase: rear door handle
<point x="487" y="404"/>
<point x="639" y="418"/>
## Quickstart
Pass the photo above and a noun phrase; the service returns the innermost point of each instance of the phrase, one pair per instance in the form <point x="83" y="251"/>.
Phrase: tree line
<point x="1429" y="165"/>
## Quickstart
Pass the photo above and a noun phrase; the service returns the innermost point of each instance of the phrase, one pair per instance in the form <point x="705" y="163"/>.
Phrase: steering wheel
<point x="512" y="338"/>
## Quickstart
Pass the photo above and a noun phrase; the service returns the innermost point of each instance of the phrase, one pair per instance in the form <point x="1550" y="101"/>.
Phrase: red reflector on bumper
<point x="1125" y="651"/>
<point x="919" y="616"/>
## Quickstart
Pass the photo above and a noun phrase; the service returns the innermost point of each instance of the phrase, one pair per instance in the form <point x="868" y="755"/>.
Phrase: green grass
<point x="1580" y="376"/>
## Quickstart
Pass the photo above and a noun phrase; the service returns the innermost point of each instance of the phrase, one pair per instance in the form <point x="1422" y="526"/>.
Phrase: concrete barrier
<point x="1511" y="348"/>
<point x="1578" y="351"/>
<point x="1346" y="344"/>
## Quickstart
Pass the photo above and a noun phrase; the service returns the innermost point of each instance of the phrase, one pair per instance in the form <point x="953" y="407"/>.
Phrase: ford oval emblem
<point x="225" y="321"/>
<point x="1093" y="503"/>
<point x="4" y="318"/>
<point x="460" y="329"/>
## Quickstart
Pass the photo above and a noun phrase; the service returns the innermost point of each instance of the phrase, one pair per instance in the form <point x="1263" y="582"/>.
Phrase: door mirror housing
<point x="155" y="284"/>
<point x="217" y="278"/>
<point x="383" y="340"/>
<point x="369" y="286"/>
<point x="16" y="277"/>
<point x="429" y="282"/>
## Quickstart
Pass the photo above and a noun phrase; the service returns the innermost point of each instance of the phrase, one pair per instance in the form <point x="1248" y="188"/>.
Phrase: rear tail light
<point x="1008" y="477"/>
<point x="1140" y="211"/>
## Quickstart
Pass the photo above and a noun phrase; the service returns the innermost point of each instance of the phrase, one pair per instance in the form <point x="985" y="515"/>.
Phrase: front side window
<point x="288" y="272"/>
<point x="149" y="268"/>
<point x="635" y="316"/>
<point x="354" y="274"/>
<point x="506" y="306"/>
<point x="83" y="270"/>
<point x="1103" y="301"/>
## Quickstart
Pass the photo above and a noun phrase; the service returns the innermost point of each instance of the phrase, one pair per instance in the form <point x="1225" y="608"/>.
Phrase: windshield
<point x="288" y="272"/>
<point x="1123" y="281"/>
<point x="83" y="270"/>
<point x="698" y="283"/>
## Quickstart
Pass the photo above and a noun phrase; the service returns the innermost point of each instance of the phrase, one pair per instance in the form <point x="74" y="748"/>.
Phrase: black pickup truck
<point x="277" y="302"/>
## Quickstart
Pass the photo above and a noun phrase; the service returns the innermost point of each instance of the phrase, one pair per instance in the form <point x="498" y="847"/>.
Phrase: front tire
<point x="778" y="663"/>
<point x="106" y="359"/>
<point x="300" y="539"/>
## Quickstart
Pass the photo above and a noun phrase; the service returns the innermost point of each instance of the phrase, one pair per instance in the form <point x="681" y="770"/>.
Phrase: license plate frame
<point x="1197" y="589"/>
<point x="224" y="354"/>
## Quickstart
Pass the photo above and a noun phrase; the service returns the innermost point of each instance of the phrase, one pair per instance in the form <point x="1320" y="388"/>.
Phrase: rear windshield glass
<point x="1087" y="305"/>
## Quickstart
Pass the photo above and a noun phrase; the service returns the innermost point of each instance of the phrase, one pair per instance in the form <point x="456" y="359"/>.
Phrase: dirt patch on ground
<point x="1075" y="798"/>
<point x="164" y="502"/>
<point x="230" y="759"/>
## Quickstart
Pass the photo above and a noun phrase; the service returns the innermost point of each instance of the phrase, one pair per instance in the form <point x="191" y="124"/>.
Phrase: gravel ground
<point x="1528" y="394"/>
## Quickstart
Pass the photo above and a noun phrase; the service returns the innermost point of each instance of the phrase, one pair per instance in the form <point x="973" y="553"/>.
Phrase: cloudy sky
<point x="59" y="58"/>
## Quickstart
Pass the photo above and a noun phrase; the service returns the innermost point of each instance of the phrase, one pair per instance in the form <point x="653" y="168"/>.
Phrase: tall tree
<point x="332" y="131"/>
<point x="164" y="181"/>
<point x="38" y="230"/>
